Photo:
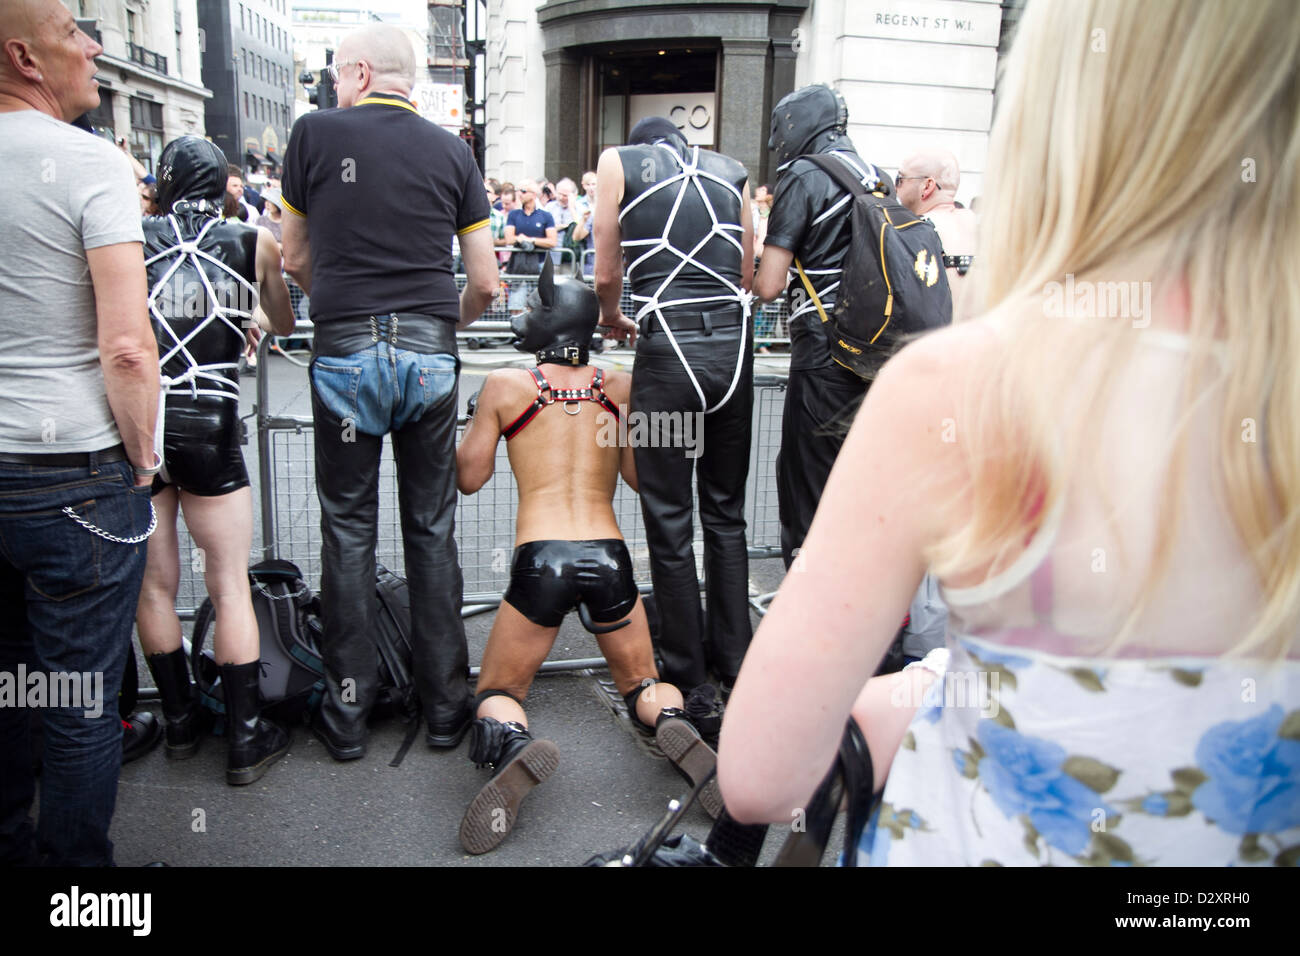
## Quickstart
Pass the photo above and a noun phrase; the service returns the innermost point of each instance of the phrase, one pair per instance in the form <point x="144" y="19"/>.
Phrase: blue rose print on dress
<point x="1024" y="775"/>
<point x="1157" y="805"/>
<point x="1254" y="775"/>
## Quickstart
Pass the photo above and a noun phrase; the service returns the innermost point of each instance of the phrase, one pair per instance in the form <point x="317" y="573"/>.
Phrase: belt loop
<point x="92" y="460"/>
<point x="708" y="326"/>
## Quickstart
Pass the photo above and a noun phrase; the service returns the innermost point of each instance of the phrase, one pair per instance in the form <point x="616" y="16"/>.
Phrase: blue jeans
<point x="383" y="389"/>
<point x="412" y="396"/>
<point x="69" y="599"/>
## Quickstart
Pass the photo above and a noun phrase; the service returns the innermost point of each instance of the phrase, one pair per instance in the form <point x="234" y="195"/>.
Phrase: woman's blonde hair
<point x="1159" y="141"/>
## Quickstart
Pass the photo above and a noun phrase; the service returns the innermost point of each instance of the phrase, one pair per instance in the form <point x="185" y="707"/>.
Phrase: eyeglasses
<point x="900" y="178"/>
<point x="338" y="65"/>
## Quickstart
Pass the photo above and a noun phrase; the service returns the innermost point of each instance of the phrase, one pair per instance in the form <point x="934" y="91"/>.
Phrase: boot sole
<point x="182" y="751"/>
<point x="341" y="754"/>
<point x="242" y="776"/>
<point x="694" y="758"/>
<point x="492" y="814"/>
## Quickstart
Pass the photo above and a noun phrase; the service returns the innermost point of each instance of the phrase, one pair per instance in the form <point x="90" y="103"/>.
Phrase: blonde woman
<point x="1105" y="478"/>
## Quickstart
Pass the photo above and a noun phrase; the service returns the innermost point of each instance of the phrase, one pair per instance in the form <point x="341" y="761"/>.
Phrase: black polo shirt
<point x="384" y="190"/>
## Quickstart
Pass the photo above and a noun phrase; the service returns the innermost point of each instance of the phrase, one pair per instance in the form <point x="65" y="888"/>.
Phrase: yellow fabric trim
<point x="285" y="202"/>
<point x="474" y="227"/>
<point x="811" y="291"/>
<point x="404" y="104"/>
<point x="884" y="271"/>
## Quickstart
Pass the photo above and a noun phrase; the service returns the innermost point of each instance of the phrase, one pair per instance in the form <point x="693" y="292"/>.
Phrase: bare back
<point x="566" y="460"/>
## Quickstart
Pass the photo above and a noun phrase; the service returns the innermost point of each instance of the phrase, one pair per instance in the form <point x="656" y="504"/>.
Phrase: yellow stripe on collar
<point x="404" y="104"/>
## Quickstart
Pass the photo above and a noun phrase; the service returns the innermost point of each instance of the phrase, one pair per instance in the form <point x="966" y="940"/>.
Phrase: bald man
<point x="78" y="403"/>
<point x="373" y="194"/>
<point x="927" y="184"/>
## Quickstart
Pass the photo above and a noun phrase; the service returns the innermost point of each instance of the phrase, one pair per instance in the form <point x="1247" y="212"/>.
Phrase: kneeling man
<point x="569" y="553"/>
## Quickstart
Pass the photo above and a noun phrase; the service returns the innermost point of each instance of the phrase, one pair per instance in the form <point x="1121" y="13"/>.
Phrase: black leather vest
<point x="185" y="301"/>
<point x="722" y="179"/>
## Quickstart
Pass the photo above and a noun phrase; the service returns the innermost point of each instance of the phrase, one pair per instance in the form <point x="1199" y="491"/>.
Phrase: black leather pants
<point x="687" y="647"/>
<point x="819" y="408"/>
<point x="347" y="481"/>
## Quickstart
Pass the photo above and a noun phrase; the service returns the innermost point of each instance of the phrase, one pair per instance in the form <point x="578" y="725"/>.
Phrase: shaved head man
<point x="377" y="57"/>
<point x="48" y="63"/>
<point x="367" y="234"/>
<point x="927" y="184"/>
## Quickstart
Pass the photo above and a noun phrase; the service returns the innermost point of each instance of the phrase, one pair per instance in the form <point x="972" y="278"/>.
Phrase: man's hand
<point x="620" y="327"/>
<point x="526" y="244"/>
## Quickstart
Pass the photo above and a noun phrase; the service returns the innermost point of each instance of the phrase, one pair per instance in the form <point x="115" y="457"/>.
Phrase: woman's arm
<point x="843" y="598"/>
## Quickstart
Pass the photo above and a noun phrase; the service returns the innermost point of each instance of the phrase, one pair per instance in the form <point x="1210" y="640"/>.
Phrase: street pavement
<point x="610" y="788"/>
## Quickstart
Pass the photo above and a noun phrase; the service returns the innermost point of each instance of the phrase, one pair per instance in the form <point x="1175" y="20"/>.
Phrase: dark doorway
<point x="673" y="80"/>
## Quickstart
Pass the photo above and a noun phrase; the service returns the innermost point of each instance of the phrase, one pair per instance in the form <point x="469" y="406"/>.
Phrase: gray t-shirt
<point x="63" y="191"/>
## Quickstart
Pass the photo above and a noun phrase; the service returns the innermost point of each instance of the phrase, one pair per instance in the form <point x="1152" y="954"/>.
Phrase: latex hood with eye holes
<point x="192" y="176"/>
<point x="812" y="119"/>
<point x="560" y="321"/>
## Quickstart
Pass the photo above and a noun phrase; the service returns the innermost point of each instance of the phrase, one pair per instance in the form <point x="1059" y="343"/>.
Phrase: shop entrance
<point x="678" y="82"/>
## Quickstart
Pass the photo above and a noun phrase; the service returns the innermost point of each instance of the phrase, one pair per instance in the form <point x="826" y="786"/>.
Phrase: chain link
<point x="153" y="523"/>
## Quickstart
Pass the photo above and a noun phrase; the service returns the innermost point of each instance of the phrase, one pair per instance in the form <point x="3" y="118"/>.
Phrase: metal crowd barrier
<point x="290" y="511"/>
<point x="771" y="321"/>
<point x="485" y="520"/>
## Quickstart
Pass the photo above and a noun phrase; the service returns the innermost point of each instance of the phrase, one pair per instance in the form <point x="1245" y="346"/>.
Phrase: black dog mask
<point x="561" y="318"/>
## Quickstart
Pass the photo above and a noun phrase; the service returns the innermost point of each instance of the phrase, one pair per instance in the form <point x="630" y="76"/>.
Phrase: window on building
<point x="146" y="131"/>
<point x="243" y="22"/>
<point x="245" y="106"/>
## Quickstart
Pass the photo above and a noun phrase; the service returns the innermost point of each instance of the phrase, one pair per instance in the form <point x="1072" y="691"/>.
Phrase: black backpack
<point x="397" y="692"/>
<point x="894" y="285"/>
<point x="289" y="627"/>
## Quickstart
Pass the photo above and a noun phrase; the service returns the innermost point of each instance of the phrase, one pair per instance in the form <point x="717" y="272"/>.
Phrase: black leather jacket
<point x="810" y="217"/>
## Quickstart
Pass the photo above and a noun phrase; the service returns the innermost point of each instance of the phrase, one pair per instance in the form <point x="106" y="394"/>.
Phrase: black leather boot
<point x="180" y="702"/>
<point x="254" y="744"/>
<point x="686" y="750"/>
<point x="520" y="763"/>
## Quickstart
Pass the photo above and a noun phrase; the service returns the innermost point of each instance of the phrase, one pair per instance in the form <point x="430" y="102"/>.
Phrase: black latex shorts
<point x="549" y="578"/>
<point x="201" y="447"/>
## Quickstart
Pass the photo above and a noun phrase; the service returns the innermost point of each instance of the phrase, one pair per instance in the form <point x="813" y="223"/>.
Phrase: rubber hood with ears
<point x="812" y="119"/>
<point x="192" y="170"/>
<point x="560" y="321"/>
<point x="657" y="129"/>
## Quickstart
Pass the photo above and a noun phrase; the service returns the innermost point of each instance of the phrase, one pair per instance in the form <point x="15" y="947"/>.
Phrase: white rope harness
<point x="689" y="175"/>
<point x="196" y="375"/>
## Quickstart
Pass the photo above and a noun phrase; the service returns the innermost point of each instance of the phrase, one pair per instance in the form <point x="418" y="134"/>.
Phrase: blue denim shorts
<point x="382" y="389"/>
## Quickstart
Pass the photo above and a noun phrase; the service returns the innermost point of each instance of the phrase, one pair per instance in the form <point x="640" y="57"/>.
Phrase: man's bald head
<point x="22" y="19"/>
<point x="386" y="50"/>
<point x="938" y="164"/>
<point x="46" y="62"/>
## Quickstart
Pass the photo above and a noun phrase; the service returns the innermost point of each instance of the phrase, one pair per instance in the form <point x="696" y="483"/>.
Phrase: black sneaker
<point x="140" y="734"/>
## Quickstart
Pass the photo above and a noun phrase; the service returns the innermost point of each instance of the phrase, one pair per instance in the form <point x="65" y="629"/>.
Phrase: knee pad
<point x="485" y="694"/>
<point x="631" y="698"/>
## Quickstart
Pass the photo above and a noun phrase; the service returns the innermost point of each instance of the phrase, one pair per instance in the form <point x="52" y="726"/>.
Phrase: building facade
<point x="151" y="86"/>
<point x="248" y="65"/>
<point x="318" y="26"/>
<point x="566" y="78"/>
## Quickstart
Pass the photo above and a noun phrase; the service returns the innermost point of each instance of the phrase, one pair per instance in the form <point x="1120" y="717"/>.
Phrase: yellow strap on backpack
<point x="811" y="291"/>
